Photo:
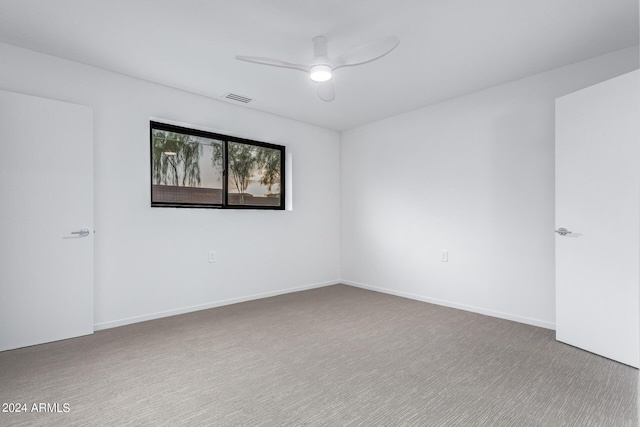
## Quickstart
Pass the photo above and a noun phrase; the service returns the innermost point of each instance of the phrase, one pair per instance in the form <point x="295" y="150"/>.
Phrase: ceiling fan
<point x="321" y="68"/>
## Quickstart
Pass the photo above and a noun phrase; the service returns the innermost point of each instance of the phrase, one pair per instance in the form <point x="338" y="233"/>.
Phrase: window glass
<point x="194" y="168"/>
<point x="254" y="175"/>
<point x="185" y="168"/>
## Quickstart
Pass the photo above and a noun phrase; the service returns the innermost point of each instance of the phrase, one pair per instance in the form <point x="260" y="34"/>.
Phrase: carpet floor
<point x="333" y="356"/>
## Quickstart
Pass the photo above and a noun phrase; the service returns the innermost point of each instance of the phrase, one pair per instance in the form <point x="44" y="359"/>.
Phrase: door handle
<point x="83" y="232"/>
<point x="563" y="231"/>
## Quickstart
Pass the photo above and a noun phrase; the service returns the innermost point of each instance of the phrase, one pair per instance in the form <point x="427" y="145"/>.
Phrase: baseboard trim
<point x="214" y="304"/>
<point x="479" y="310"/>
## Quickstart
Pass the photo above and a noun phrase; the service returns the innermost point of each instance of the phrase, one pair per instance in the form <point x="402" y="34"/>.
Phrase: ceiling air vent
<point x="238" y="98"/>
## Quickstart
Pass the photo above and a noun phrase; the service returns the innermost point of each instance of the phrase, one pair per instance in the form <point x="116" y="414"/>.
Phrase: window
<point x="193" y="168"/>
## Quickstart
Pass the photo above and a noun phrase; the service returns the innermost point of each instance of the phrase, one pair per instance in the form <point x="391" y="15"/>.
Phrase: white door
<point x="46" y="194"/>
<point x="598" y="201"/>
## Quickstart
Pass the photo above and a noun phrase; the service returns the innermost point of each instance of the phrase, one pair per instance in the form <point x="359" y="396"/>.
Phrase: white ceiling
<point x="447" y="48"/>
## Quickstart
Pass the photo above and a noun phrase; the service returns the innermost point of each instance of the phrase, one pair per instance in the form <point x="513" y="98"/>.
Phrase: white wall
<point x="154" y="261"/>
<point x="473" y="175"/>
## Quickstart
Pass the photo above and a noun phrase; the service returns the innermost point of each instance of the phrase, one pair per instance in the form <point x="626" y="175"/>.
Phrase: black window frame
<point x="225" y="139"/>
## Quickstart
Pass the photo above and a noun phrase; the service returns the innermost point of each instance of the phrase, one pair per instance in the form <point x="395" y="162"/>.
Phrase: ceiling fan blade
<point x="326" y="91"/>
<point x="274" y="62"/>
<point x="366" y="53"/>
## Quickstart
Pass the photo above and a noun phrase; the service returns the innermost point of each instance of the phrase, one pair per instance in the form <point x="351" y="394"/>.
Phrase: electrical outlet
<point x="212" y="256"/>
<point x="444" y="255"/>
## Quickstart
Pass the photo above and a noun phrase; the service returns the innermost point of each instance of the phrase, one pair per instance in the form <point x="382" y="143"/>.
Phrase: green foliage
<point x="269" y="161"/>
<point x="245" y="161"/>
<point x="242" y="164"/>
<point x="180" y="169"/>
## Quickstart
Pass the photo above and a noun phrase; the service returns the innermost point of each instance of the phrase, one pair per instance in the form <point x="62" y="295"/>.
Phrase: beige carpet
<point x="326" y="357"/>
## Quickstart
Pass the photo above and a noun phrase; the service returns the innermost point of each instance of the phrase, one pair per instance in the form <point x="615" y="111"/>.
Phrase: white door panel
<point x="46" y="193"/>
<point x="598" y="200"/>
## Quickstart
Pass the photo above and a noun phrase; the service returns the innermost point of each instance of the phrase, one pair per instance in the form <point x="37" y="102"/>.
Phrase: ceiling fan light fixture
<point x="320" y="73"/>
<point x="321" y="67"/>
